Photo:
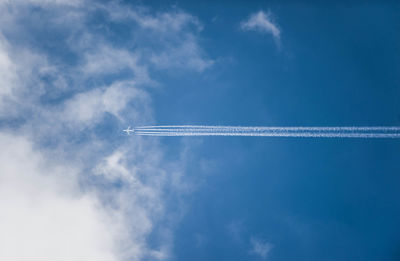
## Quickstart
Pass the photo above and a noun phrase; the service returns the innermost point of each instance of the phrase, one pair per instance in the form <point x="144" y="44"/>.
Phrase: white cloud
<point x="18" y="67"/>
<point x="262" y="23"/>
<point x="113" y="168"/>
<point x="87" y="108"/>
<point x="44" y="215"/>
<point x="106" y="60"/>
<point x="174" y="21"/>
<point x="8" y="72"/>
<point x="260" y="247"/>
<point x="175" y="31"/>
<point x="69" y="194"/>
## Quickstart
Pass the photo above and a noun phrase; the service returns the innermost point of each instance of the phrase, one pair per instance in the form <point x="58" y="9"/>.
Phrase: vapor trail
<point x="316" y="132"/>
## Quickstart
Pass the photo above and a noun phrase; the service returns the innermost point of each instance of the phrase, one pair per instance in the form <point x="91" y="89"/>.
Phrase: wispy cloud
<point x="45" y="2"/>
<point x="177" y="32"/>
<point x="260" y="247"/>
<point x="236" y="231"/>
<point x="261" y="22"/>
<point x="71" y="186"/>
<point x="88" y="108"/>
<point x="106" y="60"/>
<point x="187" y="55"/>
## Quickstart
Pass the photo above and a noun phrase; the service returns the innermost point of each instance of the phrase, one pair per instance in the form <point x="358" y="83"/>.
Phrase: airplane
<point x="129" y="130"/>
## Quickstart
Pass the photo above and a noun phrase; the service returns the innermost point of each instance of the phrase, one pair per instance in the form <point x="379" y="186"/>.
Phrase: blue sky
<point x="75" y="73"/>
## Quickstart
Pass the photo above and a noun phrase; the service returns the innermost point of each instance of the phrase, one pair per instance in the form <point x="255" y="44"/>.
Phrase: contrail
<point x="315" y="132"/>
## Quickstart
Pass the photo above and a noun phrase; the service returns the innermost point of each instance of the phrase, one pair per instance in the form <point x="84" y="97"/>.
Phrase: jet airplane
<point x="129" y="130"/>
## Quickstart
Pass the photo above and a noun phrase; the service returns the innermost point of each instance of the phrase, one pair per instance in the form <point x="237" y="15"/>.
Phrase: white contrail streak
<point x="316" y="132"/>
<point x="257" y="127"/>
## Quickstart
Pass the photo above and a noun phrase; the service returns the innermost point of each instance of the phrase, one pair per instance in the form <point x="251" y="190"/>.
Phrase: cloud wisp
<point x="301" y="132"/>
<point x="261" y="22"/>
<point x="260" y="248"/>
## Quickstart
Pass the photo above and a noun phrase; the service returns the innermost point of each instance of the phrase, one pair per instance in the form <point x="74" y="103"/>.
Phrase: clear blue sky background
<point x="312" y="199"/>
